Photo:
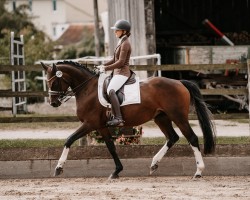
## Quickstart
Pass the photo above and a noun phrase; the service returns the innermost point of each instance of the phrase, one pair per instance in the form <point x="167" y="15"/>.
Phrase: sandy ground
<point x="125" y="188"/>
<point x="153" y="188"/>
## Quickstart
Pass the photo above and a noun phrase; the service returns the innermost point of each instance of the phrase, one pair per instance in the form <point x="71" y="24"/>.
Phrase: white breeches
<point x="116" y="82"/>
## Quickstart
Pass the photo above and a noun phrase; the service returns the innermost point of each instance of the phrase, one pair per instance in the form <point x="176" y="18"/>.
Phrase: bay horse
<point x="162" y="99"/>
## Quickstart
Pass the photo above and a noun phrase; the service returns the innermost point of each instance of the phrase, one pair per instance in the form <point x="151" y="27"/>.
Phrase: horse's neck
<point x="87" y="94"/>
<point x="80" y="79"/>
<point x="77" y="76"/>
<point x="84" y="82"/>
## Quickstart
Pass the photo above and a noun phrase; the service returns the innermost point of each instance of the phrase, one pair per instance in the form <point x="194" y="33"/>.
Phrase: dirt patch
<point x="145" y="188"/>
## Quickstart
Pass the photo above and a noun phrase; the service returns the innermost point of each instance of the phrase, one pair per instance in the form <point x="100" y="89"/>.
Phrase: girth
<point x="120" y="92"/>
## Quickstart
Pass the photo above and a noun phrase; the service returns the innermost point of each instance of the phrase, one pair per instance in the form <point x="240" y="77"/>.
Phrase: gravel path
<point x="223" y="127"/>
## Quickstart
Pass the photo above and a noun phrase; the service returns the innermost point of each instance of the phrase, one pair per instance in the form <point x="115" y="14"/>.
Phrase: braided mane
<point x="77" y="65"/>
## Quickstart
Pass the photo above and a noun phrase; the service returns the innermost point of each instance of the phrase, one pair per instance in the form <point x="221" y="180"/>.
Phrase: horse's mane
<point x="77" y="65"/>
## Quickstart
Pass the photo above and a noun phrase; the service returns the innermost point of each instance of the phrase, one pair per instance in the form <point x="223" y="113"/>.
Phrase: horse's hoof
<point x="197" y="176"/>
<point x="113" y="176"/>
<point x="58" y="171"/>
<point x="153" y="169"/>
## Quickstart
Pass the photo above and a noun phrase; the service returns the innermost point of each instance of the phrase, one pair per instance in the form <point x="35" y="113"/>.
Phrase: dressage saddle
<point x="120" y="93"/>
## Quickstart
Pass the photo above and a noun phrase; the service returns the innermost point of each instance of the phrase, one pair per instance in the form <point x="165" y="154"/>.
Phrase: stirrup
<point x="115" y="122"/>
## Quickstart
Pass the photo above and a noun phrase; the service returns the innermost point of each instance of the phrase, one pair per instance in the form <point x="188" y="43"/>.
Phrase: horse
<point x="174" y="98"/>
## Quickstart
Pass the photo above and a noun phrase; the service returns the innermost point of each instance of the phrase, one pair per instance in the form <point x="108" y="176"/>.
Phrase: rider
<point x="120" y="66"/>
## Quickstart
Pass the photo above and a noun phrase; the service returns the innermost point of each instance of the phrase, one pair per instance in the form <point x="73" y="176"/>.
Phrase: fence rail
<point x="196" y="67"/>
<point x="9" y="68"/>
<point x="193" y="67"/>
<point x="203" y="92"/>
<point x="24" y="94"/>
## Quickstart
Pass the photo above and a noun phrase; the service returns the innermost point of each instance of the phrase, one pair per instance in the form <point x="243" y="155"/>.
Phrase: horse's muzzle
<point x="55" y="104"/>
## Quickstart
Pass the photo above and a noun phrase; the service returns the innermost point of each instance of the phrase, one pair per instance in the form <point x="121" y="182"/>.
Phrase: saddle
<point x="120" y="92"/>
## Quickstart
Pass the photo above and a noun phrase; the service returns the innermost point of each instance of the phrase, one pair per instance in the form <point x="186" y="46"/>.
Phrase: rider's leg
<point x="117" y="120"/>
<point x="115" y="84"/>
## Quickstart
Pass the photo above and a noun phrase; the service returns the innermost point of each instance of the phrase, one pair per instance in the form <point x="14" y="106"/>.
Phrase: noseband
<point x="64" y="96"/>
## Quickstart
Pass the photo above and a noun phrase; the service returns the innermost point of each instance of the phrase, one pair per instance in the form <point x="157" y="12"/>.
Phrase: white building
<point x="55" y="16"/>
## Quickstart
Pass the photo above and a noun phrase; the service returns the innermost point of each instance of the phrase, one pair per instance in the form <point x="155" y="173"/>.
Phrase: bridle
<point x="64" y="96"/>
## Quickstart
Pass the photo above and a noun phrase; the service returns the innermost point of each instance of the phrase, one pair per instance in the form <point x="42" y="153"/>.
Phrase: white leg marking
<point x="157" y="158"/>
<point x="63" y="158"/>
<point x="199" y="161"/>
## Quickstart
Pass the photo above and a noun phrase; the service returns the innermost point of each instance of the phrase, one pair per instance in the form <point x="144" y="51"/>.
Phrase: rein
<point x="65" y="96"/>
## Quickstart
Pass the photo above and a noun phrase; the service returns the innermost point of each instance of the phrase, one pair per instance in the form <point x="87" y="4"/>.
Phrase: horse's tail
<point x="204" y="116"/>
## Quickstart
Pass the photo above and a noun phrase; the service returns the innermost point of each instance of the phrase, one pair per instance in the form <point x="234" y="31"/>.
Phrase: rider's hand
<point x="101" y="68"/>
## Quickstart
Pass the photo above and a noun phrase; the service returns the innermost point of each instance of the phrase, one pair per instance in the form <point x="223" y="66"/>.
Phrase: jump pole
<point x="218" y="32"/>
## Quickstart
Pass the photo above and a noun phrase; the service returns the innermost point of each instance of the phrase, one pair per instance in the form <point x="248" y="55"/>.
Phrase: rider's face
<point x="118" y="33"/>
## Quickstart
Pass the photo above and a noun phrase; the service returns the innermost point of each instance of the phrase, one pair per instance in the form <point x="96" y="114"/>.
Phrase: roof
<point x="74" y="34"/>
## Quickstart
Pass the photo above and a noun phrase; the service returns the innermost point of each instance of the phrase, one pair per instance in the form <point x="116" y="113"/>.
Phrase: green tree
<point x="36" y="44"/>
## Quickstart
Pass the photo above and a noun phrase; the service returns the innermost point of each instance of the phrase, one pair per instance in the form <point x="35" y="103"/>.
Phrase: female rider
<point x="120" y="66"/>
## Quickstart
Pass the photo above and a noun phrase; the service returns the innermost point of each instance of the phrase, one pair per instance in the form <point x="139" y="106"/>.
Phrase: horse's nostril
<point x="54" y="104"/>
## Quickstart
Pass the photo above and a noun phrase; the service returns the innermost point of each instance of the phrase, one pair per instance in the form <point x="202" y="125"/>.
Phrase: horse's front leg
<point x="80" y="132"/>
<point x="111" y="147"/>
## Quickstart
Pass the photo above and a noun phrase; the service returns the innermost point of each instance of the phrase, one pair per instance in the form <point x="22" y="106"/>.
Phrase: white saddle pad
<point x="131" y="92"/>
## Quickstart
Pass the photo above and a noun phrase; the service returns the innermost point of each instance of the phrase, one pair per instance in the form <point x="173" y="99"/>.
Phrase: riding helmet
<point x="122" y="25"/>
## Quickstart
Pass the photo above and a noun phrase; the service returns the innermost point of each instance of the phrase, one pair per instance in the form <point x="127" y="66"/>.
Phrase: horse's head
<point x="57" y="84"/>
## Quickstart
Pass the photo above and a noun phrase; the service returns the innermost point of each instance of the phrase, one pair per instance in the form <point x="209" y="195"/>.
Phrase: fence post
<point x="248" y="86"/>
<point x="18" y="77"/>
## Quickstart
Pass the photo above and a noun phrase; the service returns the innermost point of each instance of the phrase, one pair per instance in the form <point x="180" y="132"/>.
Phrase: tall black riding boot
<point x="117" y="121"/>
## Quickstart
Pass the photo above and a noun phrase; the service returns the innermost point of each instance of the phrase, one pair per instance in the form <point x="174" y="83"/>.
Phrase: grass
<point x="40" y="125"/>
<point x="244" y="121"/>
<point x="22" y="143"/>
<point x="73" y="125"/>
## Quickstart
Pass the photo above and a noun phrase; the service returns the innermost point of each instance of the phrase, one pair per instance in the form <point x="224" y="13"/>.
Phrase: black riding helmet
<point x="122" y="25"/>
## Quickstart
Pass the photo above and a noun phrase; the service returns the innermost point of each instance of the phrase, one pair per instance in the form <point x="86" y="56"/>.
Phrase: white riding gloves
<point x="101" y="68"/>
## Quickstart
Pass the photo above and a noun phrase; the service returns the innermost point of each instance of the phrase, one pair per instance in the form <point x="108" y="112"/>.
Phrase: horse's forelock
<point x="49" y="69"/>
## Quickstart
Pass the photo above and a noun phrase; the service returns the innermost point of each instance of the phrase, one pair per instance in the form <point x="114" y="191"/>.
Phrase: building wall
<point x="55" y="22"/>
<point x="48" y="19"/>
<point x="44" y="17"/>
<point x="83" y="10"/>
<point x="132" y="11"/>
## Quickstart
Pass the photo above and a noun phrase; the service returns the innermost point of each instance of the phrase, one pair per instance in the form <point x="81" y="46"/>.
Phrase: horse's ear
<point x="45" y="67"/>
<point x="54" y="68"/>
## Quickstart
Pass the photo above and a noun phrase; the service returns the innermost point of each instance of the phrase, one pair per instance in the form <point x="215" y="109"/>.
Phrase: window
<point x="54" y="31"/>
<point x="54" y="5"/>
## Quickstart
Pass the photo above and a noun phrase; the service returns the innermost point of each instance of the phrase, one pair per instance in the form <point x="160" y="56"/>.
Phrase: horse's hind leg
<point x="166" y="127"/>
<point x="188" y="132"/>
